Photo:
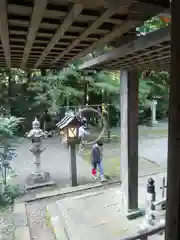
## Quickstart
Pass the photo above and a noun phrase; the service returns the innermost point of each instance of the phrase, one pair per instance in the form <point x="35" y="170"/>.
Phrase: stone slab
<point x="19" y="207"/>
<point x="40" y="185"/>
<point x="55" y="222"/>
<point x="92" y="216"/>
<point x="135" y="214"/>
<point x="98" y="215"/>
<point x="20" y="220"/>
<point x="22" y="234"/>
<point x="69" y="190"/>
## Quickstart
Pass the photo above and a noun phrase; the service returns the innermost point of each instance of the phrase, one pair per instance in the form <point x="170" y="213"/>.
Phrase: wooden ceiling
<point x="151" y="51"/>
<point x="51" y="33"/>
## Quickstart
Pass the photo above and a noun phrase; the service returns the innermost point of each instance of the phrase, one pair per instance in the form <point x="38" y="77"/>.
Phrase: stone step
<point x="94" y="215"/>
<point x="20" y="221"/>
<point x="22" y="233"/>
<point x="55" y="222"/>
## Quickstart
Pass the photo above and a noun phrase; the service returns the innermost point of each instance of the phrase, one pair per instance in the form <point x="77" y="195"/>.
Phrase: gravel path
<point x="55" y="159"/>
<point x="6" y="224"/>
<point x="37" y="221"/>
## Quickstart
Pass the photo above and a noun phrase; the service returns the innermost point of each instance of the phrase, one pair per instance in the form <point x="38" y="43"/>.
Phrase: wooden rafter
<point x="71" y="16"/>
<point x="4" y="32"/>
<point x="106" y="15"/>
<point x="37" y="15"/>
<point x="118" y="31"/>
<point x="156" y="52"/>
<point x="22" y="42"/>
<point x="139" y="44"/>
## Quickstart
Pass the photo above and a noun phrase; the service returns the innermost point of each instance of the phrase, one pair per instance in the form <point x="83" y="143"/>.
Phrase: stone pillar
<point x="129" y="141"/>
<point x="173" y="176"/>
<point x="153" y="112"/>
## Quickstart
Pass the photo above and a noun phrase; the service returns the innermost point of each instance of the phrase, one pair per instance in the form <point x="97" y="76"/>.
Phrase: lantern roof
<point x="69" y="118"/>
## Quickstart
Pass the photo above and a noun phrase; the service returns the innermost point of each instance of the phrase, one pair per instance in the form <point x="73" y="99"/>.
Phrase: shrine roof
<point x="52" y="33"/>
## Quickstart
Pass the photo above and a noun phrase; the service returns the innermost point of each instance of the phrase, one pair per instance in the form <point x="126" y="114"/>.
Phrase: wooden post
<point x="173" y="176"/>
<point x="129" y="140"/>
<point x="73" y="165"/>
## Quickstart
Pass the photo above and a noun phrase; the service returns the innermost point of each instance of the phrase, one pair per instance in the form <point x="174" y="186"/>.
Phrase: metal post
<point x="151" y="194"/>
<point x="149" y="217"/>
<point x="73" y="164"/>
<point x="150" y="199"/>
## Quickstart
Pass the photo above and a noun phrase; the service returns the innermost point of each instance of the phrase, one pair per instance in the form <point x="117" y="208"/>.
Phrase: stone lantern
<point x="37" y="178"/>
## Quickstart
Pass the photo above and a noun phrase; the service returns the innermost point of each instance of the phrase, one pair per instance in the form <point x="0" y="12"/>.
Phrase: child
<point x="82" y="134"/>
<point x="96" y="155"/>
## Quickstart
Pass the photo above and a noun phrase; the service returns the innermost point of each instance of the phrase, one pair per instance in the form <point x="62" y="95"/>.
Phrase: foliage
<point x="8" y="127"/>
<point x="54" y="89"/>
<point x="154" y="86"/>
<point x="9" y="195"/>
<point x="104" y="82"/>
<point x="151" y="25"/>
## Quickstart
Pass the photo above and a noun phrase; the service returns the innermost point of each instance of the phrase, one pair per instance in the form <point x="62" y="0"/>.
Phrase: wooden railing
<point x="144" y="236"/>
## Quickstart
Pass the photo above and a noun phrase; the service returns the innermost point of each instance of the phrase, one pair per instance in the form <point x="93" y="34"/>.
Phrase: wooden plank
<point x="142" y="55"/>
<point x="36" y="18"/>
<point x="139" y="44"/>
<point x="153" y="10"/>
<point x="4" y="32"/>
<point x="109" y="37"/>
<point x="142" y="65"/>
<point x="19" y="9"/>
<point x="150" y="61"/>
<point x="106" y="15"/>
<point x="71" y="16"/>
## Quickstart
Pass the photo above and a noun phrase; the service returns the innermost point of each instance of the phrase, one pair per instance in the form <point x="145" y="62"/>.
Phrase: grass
<point x="154" y="131"/>
<point x="111" y="163"/>
<point x="115" y="136"/>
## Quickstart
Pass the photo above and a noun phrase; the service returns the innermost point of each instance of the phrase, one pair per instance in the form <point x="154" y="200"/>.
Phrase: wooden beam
<point x="139" y="44"/>
<point x="136" y="63"/>
<point x="71" y="16"/>
<point x="37" y="15"/>
<point x="108" y="38"/>
<point x="154" y="52"/>
<point x="4" y="32"/>
<point x="105" y="16"/>
<point x="152" y="10"/>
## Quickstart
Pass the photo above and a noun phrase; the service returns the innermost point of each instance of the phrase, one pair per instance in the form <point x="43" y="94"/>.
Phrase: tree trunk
<point x="43" y="72"/>
<point x="85" y="92"/>
<point x="9" y="73"/>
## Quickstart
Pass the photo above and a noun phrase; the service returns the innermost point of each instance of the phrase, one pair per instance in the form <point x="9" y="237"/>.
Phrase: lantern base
<point x="39" y="179"/>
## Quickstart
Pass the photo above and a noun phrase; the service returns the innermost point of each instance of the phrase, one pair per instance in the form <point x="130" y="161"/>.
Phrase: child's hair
<point x="99" y="142"/>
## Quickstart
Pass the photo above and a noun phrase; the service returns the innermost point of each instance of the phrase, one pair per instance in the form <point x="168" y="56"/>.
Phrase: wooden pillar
<point x="129" y="140"/>
<point x="173" y="177"/>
